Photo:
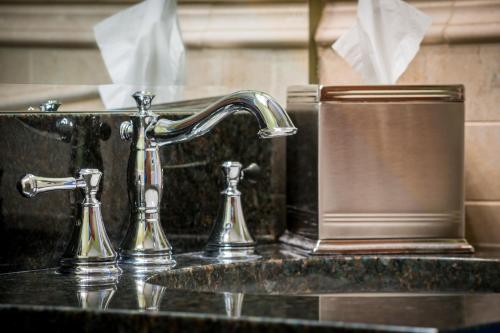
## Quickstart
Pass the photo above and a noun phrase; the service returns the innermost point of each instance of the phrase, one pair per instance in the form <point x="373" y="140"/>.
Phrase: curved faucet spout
<point x="271" y="117"/>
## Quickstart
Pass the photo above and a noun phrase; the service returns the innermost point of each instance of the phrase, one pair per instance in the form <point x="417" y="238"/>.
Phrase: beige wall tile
<point x="68" y="66"/>
<point x="482" y="161"/>
<point x="14" y="65"/>
<point x="483" y="224"/>
<point x="268" y="70"/>
<point x="290" y="68"/>
<point x="477" y="66"/>
<point x="204" y="67"/>
<point x="52" y="66"/>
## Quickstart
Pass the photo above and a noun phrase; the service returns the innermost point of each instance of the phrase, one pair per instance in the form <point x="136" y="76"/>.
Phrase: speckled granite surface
<point x="34" y="232"/>
<point x="282" y="292"/>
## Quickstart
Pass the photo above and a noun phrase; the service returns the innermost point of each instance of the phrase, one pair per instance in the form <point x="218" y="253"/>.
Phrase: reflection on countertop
<point x="375" y="293"/>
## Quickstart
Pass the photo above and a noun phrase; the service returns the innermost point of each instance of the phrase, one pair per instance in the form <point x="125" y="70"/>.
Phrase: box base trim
<point x="377" y="246"/>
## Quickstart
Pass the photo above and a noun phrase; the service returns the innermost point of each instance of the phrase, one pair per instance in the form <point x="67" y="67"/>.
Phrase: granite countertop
<point x="282" y="291"/>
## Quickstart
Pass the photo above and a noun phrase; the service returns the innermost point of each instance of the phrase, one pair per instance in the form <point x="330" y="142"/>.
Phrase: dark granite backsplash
<point x="34" y="232"/>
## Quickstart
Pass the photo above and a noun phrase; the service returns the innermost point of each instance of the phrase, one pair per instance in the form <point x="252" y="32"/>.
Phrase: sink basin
<point x="342" y="274"/>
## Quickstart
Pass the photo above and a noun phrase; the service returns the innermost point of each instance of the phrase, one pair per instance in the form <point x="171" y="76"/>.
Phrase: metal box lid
<point x="375" y="93"/>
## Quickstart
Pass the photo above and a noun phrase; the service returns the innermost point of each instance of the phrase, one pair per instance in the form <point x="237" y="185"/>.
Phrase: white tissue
<point x="384" y="40"/>
<point x="141" y="46"/>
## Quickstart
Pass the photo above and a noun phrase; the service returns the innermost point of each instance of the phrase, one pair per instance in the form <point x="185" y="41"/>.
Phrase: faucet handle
<point x="89" y="253"/>
<point x="251" y="172"/>
<point x="143" y="99"/>
<point x="230" y="237"/>
<point x="30" y="185"/>
<point x="233" y="172"/>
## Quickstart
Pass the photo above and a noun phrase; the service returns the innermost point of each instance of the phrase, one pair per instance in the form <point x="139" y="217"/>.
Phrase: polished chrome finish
<point x="145" y="242"/>
<point x="51" y="105"/>
<point x="230" y="238"/>
<point x="126" y="130"/>
<point x="65" y="127"/>
<point x="388" y="93"/>
<point x="103" y="279"/>
<point x="272" y="119"/>
<point x="376" y="246"/>
<point x="31" y="185"/>
<point x="384" y="171"/>
<point x="149" y="295"/>
<point x="96" y="298"/>
<point x="233" y="303"/>
<point x="89" y="251"/>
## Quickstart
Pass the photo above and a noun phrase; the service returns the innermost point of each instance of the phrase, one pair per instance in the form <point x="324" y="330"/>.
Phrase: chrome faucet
<point x="145" y="242"/>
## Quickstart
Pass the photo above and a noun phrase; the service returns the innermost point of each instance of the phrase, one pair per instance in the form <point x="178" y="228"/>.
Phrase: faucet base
<point x="145" y="243"/>
<point x="229" y="252"/>
<point x="156" y="258"/>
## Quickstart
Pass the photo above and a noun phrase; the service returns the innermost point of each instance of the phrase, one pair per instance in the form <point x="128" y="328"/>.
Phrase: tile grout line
<point x="482" y="123"/>
<point x="482" y="203"/>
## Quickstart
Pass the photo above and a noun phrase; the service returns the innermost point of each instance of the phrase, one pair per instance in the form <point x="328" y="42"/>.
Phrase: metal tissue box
<point x="376" y="169"/>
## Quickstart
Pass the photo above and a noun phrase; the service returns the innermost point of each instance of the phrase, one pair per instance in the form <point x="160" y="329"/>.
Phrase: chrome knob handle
<point x="126" y="130"/>
<point x="143" y="99"/>
<point x="230" y="237"/>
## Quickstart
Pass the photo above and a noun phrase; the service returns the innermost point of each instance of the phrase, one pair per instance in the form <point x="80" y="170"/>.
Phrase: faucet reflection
<point x="233" y="303"/>
<point x="96" y="298"/>
<point x="148" y="295"/>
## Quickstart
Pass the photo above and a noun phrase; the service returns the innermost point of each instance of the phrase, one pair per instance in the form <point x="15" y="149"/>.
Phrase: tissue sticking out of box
<point x="142" y="46"/>
<point x="384" y="41"/>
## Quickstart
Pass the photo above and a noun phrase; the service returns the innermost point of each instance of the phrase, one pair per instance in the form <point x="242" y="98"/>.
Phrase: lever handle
<point x="251" y="172"/>
<point x="30" y="185"/>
